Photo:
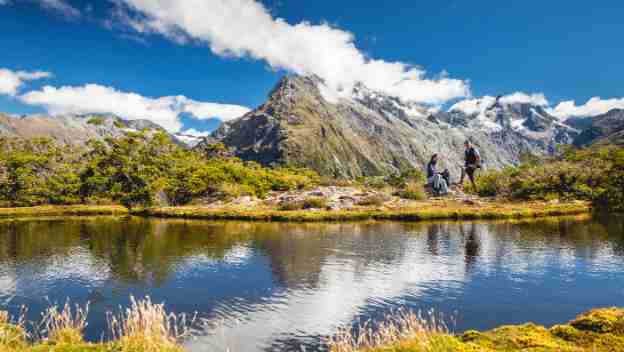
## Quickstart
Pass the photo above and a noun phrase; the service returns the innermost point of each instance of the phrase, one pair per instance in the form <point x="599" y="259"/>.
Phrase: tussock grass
<point x="70" y="210"/>
<point x="146" y="326"/>
<point x="421" y="211"/>
<point x="142" y="327"/>
<point x="394" y="329"/>
<point x="600" y="330"/>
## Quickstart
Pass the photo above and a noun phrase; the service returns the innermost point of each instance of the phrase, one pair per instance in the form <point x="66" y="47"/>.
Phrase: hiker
<point x="439" y="182"/>
<point x="473" y="162"/>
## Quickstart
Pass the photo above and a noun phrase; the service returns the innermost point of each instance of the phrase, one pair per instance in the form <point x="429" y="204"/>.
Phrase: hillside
<point x="603" y="129"/>
<point x="78" y="129"/>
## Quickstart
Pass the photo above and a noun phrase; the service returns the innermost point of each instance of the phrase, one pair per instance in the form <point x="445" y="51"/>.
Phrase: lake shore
<point x="415" y="211"/>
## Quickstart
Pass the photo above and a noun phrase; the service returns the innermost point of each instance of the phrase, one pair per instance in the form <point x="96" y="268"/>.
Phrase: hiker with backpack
<point x="472" y="163"/>
<point x="438" y="181"/>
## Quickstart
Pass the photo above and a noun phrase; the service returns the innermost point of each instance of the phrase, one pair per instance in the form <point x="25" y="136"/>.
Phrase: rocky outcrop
<point x="368" y="133"/>
<point x="603" y="129"/>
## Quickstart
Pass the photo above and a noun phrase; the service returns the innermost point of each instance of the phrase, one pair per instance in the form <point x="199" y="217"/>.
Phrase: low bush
<point x="594" y="174"/>
<point x="413" y="191"/>
<point x="138" y="169"/>
<point x="373" y="200"/>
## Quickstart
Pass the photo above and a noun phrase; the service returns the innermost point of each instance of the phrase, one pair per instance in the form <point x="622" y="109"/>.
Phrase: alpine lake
<point x="278" y="286"/>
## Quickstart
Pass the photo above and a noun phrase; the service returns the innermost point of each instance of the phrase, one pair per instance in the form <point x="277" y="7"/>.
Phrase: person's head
<point x="434" y="159"/>
<point x="467" y="144"/>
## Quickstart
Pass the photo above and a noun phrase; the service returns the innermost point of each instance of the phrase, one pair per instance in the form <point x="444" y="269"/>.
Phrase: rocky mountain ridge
<point x="78" y="129"/>
<point x="371" y="133"/>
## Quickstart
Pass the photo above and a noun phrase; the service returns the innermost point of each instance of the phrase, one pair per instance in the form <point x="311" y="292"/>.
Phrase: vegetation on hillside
<point x="139" y="169"/>
<point x="593" y="174"/>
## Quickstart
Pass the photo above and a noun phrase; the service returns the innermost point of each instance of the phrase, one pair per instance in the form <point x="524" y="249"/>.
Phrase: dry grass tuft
<point x="394" y="329"/>
<point x="146" y="326"/>
<point x="12" y="332"/>
<point x="65" y="326"/>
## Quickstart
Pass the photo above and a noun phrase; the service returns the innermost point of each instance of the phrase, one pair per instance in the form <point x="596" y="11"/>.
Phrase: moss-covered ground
<point x="417" y="211"/>
<point x="600" y="330"/>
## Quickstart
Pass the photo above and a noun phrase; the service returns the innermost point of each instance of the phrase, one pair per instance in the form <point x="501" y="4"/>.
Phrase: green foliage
<point x="96" y="120"/>
<point x="139" y="169"/>
<point x="413" y="190"/>
<point x="375" y="200"/>
<point x="595" y="174"/>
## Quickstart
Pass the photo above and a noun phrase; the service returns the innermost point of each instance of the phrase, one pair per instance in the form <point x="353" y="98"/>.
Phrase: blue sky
<point x="567" y="50"/>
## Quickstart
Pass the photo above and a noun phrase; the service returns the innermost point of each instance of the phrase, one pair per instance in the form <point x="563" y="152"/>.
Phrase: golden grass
<point x="58" y="210"/>
<point x="414" y="212"/>
<point x="143" y="327"/>
<point x="600" y="330"/>
<point x="394" y="329"/>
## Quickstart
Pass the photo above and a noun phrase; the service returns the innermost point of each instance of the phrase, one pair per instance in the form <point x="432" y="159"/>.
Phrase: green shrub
<point x="376" y="200"/>
<point x="413" y="191"/>
<point x="96" y="120"/>
<point x="595" y="174"/>
<point x="315" y="203"/>
<point x="137" y="169"/>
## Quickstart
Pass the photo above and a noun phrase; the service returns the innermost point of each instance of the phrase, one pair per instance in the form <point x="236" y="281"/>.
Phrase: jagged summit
<point x="370" y="133"/>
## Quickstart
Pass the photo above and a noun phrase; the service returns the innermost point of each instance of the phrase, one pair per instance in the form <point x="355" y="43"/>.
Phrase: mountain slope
<point x="77" y="129"/>
<point x="373" y="134"/>
<point x="604" y="129"/>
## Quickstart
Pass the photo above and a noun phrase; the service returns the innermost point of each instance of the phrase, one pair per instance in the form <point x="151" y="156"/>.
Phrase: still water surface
<point x="283" y="286"/>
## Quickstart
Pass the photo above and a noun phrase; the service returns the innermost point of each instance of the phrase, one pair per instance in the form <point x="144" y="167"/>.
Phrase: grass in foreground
<point x="58" y="210"/>
<point x="419" y="211"/>
<point x="595" y="331"/>
<point x="143" y="327"/>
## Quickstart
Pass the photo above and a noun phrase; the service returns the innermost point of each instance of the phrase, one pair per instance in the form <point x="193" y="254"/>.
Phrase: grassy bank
<point x="597" y="330"/>
<point x="58" y="210"/>
<point x="146" y="327"/>
<point x="418" y="211"/>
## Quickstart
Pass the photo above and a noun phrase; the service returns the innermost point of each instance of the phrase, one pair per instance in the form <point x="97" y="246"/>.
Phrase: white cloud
<point x="244" y="28"/>
<point x="4" y="2"/>
<point x="523" y="98"/>
<point x="195" y="133"/>
<point x="11" y="81"/>
<point x="479" y="105"/>
<point x="594" y="106"/>
<point x="59" y="6"/>
<point x="205" y="111"/>
<point x="93" y="98"/>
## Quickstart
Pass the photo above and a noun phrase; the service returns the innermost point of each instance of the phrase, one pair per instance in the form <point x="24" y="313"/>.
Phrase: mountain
<point x="369" y="133"/>
<point x="78" y="129"/>
<point x="603" y="129"/>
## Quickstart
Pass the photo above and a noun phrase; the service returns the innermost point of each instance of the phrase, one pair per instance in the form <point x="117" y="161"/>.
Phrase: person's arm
<point x="477" y="156"/>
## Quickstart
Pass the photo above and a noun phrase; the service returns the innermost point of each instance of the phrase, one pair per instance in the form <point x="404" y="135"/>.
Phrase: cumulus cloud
<point x="523" y="98"/>
<point x="244" y="28"/>
<point x="594" y="106"/>
<point x="11" y="81"/>
<point x="478" y="105"/>
<point x="94" y="98"/>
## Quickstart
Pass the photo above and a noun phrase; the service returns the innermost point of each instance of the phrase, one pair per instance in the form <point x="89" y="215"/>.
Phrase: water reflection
<point x="263" y="286"/>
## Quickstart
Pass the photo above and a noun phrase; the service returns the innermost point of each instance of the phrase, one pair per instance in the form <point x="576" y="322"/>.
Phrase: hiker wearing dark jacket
<point x="472" y="163"/>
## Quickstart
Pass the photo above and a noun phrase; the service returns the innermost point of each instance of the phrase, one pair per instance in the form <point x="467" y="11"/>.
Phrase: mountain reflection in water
<point x="259" y="286"/>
